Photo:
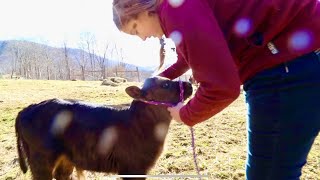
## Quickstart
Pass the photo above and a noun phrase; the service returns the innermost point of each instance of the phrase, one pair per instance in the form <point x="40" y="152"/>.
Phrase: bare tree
<point x="66" y="59"/>
<point x="103" y="60"/>
<point x="25" y="59"/>
<point x="82" y="59"/>
<point x="121" y="66"/>
<point x="49" y="65"/>
<point x="89" y="40"/>
<point x="37" y="61"/>
<point x="44" y="59"/>
<point x="16" y="55"/>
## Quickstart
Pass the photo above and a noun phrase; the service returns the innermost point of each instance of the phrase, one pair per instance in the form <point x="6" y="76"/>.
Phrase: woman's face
<point x="146" y="25"/>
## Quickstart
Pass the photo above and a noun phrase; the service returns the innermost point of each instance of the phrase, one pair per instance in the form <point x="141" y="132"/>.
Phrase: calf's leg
<point x="63" y="169"/>
<point x="40" y="166"/>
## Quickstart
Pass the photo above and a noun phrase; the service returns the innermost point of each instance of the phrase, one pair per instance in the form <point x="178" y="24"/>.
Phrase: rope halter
<point x="168" y="104"/>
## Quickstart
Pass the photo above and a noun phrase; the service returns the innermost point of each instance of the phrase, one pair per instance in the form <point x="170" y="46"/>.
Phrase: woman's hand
<point x="174" y="112"/>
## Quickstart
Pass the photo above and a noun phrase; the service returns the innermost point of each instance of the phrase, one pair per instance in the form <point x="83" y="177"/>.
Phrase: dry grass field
<point x="220" y="141"/>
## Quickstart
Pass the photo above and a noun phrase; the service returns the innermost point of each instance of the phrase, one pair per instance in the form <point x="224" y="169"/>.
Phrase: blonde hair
<point x="125" y="10"/>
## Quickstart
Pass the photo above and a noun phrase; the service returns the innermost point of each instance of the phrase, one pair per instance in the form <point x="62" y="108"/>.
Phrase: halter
<point x="168" y="104"/>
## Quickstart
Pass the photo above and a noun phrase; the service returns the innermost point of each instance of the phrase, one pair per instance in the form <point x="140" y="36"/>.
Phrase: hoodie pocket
<point x="254" y="45"/>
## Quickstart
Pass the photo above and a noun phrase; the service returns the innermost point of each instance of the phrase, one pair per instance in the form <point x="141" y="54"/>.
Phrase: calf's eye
<point x="165" y="85"/>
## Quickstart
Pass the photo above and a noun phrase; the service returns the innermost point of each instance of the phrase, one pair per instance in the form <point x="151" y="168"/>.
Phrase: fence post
<point x="138" y="74"/>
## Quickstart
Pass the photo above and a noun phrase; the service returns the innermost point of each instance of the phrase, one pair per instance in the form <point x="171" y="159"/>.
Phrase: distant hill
<point x="72" y="52"/>
<point x="15" y="53"/>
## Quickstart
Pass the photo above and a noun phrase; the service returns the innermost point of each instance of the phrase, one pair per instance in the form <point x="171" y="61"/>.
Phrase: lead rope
<point x="194" y="152"/>
<point x="192" y="135"/>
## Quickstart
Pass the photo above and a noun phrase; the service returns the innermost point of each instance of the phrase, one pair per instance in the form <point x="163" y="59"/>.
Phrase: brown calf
<point x="57" y="135"/>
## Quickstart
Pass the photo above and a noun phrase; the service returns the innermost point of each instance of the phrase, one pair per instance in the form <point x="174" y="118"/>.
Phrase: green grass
<point x="220" y="141"/>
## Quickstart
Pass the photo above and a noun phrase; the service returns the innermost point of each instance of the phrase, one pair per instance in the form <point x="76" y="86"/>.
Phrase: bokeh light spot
<point x="107" y="140"/>
<point x="176" y="3"/>
<point x="300" y="40"/>
<point x="242" y="27"/>
<point x="61" y="121"/>
<point x="176" y="37"/>
<point x="161" y="131"/>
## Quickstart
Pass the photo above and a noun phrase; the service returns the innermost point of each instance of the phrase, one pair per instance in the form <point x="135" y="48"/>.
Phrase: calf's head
<point x="159" y="89"/>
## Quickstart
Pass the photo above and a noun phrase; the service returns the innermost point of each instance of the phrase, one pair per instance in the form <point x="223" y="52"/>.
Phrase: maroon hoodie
<point x="225" y="42"/>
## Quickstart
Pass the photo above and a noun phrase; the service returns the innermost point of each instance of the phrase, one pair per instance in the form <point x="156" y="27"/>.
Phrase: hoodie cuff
<point x="185" y="117"/>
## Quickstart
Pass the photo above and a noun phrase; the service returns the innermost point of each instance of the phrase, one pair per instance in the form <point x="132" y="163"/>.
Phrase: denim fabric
<point x="283" y="105"/>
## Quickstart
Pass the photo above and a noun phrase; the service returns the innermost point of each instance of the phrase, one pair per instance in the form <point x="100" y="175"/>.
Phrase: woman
<point x="268" y="46"/>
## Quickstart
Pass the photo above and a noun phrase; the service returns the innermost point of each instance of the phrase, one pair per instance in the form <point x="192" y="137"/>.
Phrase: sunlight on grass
<point x="220" y="141"/>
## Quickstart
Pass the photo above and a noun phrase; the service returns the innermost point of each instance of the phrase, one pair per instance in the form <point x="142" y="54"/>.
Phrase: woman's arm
<point x="205" y="49"/>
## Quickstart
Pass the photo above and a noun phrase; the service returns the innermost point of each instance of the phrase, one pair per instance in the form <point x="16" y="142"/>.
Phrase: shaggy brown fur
<point x="57" y="135"/>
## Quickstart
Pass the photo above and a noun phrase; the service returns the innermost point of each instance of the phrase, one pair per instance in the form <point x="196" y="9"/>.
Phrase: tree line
<point x="89" y="61"/>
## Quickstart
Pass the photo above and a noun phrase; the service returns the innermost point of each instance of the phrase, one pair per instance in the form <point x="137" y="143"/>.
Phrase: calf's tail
<point x="21" y="146"/>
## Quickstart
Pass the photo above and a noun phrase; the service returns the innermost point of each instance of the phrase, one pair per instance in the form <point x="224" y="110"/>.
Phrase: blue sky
<point x="56" y="21"/>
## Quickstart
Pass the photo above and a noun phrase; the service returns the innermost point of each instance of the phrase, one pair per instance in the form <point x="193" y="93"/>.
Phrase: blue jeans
<point x="283" y="106"/>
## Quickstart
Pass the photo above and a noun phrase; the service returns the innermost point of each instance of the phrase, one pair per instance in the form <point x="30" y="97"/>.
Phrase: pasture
<point x="220" y="141"/>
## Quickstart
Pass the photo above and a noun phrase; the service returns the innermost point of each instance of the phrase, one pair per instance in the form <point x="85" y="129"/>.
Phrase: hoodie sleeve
<point x="205" y="50"/>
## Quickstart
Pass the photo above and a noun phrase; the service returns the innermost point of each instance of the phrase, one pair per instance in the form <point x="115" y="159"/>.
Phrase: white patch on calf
<point x="107" y="140"/>
<point x="161" y="131"/>
<point x="61" y="121"/>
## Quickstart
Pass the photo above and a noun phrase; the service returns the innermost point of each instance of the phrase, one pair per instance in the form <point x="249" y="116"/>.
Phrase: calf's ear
<point x="134" y="92"/>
